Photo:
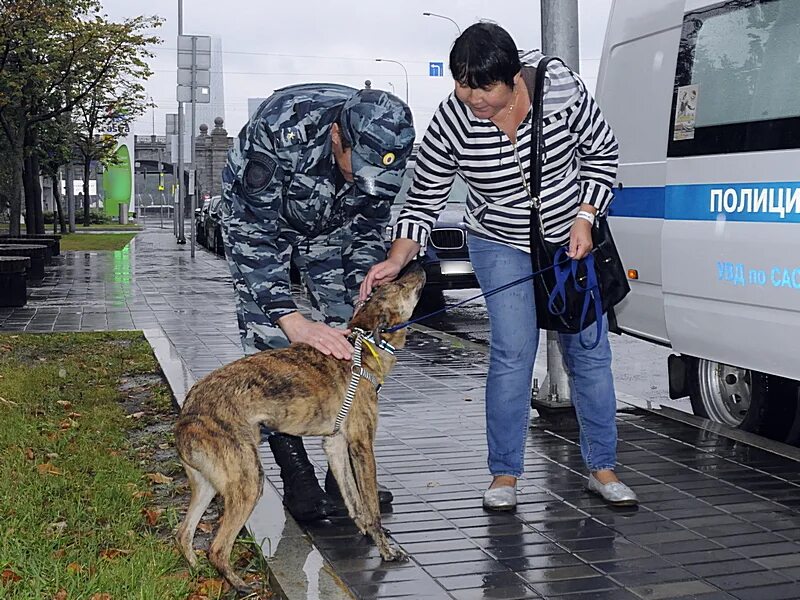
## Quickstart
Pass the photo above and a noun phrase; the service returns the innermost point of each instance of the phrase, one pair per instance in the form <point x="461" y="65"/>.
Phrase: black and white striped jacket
<point x="580" y="165"/>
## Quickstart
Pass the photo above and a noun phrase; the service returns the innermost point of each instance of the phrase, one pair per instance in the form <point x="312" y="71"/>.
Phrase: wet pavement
<point x="718" y="520"/>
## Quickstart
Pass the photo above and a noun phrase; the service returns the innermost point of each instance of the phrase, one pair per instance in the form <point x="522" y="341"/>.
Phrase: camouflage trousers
<point x="322" y="277"/>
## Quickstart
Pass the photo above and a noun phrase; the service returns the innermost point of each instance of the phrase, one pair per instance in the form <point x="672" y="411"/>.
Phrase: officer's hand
<point x="580" y="239"/>
<point x="383" y="272"/>
<point x="326" y="339"/>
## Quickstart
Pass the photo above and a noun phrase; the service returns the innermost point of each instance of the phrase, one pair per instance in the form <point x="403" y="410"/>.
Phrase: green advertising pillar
<point x="118" y="181"/>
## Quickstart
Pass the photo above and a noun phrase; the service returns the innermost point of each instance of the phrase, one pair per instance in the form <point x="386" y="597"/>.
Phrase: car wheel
<point x="750" y="400"/>
<point x="219" y="248"/>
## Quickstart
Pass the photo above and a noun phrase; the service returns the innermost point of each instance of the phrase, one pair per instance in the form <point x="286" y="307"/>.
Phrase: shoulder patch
<point x="258" y="173"/>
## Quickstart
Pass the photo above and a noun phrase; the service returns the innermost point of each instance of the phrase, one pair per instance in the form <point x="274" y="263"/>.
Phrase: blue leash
<point x="565" y="268"/>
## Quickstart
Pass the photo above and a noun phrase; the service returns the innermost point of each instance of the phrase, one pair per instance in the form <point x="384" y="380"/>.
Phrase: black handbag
<point x="570" y="295"/>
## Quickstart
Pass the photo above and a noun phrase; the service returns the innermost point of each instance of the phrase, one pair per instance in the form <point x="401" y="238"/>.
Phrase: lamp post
<point x="401" y="65"/>
<point x="430" y="14"/>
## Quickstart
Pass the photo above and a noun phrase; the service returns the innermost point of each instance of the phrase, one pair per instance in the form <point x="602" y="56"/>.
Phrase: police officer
<point x="309" y="183"/>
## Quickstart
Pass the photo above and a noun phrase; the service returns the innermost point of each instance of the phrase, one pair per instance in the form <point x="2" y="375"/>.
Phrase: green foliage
<point x="65" y="57"/>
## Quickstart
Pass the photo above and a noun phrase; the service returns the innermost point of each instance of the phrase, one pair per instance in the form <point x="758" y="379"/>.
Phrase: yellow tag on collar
<point x="374" y="352"/>
<point x="388" y="158"/>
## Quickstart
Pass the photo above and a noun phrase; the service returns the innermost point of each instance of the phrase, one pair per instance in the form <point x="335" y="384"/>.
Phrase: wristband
<point x="586" y="215"/>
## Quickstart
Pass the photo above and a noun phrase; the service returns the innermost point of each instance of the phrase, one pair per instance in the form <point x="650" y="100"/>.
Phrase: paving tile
<point x="701" y="532"/>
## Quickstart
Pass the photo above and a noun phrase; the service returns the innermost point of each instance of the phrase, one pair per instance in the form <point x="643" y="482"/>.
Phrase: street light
<point x="403" y="67"/>
<point x="430" y="14"/>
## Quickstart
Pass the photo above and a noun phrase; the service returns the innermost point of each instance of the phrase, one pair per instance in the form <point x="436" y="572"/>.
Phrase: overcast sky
<point x="268" y="44"/>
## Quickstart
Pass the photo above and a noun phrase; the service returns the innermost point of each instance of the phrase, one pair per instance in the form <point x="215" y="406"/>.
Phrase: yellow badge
<point x="388" y="158"/>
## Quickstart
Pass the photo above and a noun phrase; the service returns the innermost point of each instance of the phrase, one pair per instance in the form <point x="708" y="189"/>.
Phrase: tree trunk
<point x="38" y="205"/>
<point x="69" y="176"/>
<point x="59" y="209"/>
<point x="16" y="191"/>
<point x="87" y="219"/>
<point x="30" y="196"/>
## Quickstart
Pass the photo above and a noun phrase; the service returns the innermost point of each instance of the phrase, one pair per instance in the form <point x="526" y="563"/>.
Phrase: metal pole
<point x="430" y="14"/>
<point x="559" y="38"/>
<point x="402" y="66"/>
<point x="180" y="189"/>
<point x="560" y="31"/>
<point x="192" y="136"/>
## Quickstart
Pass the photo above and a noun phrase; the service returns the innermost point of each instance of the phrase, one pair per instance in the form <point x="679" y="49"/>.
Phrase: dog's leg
<point x="362" y="457"/>
<point x="240" y="487"/>
<point x="202" y="494"/>
<point x="339" y="461"/>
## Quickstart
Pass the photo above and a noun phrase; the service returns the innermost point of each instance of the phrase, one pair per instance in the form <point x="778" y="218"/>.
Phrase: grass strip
<point x="96" y="241"/>
<point x="90" y="485"/>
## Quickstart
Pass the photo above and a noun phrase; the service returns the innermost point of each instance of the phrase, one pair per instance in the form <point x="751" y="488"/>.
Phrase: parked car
<point x="212" y="226"/>
<point x="199" y="221"/>
<point x="446" y="259"/>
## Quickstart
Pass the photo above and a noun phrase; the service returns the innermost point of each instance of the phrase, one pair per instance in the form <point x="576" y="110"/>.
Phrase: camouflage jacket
<point x="279" y="191"/>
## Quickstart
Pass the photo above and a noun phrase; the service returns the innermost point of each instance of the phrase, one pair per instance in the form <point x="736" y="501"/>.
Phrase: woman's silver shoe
<point x="500" y="498"/>
<point x="616" y="493"/>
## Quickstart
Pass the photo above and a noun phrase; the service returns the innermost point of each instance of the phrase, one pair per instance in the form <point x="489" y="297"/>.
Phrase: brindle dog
<point x="296" y="390"/>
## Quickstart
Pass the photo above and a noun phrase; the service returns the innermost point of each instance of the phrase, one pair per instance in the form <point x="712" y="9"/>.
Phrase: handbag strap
<point x="534" y="81"/>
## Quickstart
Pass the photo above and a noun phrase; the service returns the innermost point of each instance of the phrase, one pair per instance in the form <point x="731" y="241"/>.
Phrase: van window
<point x="737" y="79"/>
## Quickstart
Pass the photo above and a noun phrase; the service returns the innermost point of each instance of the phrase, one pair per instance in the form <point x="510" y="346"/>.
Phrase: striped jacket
<point x="580" y="165"/>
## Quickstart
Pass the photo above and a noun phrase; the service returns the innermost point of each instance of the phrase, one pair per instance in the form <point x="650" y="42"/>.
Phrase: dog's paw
<point x="394" y="554"/>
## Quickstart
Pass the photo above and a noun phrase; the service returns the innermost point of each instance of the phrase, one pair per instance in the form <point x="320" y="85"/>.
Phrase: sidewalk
<point x="718" y="520"/>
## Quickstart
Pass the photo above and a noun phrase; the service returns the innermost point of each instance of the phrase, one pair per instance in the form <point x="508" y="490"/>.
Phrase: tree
<point x="55" y="149"/>
<point x="53" y="55"/>
<point x="100" y="120"/>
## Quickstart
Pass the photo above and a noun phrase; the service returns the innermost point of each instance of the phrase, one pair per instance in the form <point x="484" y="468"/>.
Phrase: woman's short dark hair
<point x="484" y="54"/>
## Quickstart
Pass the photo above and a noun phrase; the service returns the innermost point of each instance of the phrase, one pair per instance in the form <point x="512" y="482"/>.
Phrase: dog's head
<point x="390" y="305"/>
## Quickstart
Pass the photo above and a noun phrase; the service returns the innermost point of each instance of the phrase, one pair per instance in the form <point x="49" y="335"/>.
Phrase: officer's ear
<point x="337" y="137"/>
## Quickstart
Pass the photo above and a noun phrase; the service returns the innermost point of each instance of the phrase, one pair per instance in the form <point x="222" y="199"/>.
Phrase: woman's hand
<point x="326" y="339"/>
<point x="381" y="273"/>
<point x="580" y="239"/>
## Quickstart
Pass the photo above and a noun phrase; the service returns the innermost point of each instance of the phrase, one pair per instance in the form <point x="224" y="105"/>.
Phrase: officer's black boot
<point x="302" y="494"/>
<point x="385" y="496"/>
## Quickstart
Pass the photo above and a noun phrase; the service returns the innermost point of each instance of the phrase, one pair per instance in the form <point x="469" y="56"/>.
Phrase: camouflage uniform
<point x="285" y="201"/>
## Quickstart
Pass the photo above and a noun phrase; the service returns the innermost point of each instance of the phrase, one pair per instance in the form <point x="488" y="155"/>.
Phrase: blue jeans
<point x="514" y="341"/>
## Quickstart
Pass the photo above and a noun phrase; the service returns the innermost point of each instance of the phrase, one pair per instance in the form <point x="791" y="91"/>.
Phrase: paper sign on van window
<point x="685" y="111"/>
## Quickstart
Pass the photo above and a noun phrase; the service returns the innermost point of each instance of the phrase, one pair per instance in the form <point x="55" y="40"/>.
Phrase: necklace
<point x="511" y="106"/>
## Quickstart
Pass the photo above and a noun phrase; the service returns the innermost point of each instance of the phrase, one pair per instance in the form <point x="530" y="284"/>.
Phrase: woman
<point x="483" y="132"/>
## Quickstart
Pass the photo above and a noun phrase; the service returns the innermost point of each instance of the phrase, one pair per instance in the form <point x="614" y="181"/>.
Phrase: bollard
<point x="123" y="213"/>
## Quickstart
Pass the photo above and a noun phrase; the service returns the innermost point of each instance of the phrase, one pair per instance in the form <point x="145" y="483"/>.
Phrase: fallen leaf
<point x="51" y="455"/>
<point x="60" y="595"/>
<point x="205" y="527"/>
<point x="197" y="597"/>
<point x="8" y="576"/>
<point x="66" y="404"/>
<point x="59" y="554"/>
<point x="74" y="568"/>
<point x="142" y="494"/>
<point x="152" y="515"/>
<point x="68" y="424"/>
<point x="163" y="446"/>
<point x="48" y="469"/>
<point x="112" y="553"/>
<point x="159" y="478"/>
<point x="29" y="454"/>
<point x="74" y="415"/>
<point x="210" y="587"/>
<point x="56" y="528"/>
<point x="136" y="415"/>
<point x="103" y="596"/>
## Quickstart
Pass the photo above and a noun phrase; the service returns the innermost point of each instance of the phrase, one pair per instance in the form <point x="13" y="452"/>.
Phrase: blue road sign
<point x="436" y="69"/>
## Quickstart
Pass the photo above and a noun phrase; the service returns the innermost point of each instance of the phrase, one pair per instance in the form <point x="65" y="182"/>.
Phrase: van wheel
<point x="749" y="400"/>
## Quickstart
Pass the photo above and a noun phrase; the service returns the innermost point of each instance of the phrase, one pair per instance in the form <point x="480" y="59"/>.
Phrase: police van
<point x="704" y="98"/>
